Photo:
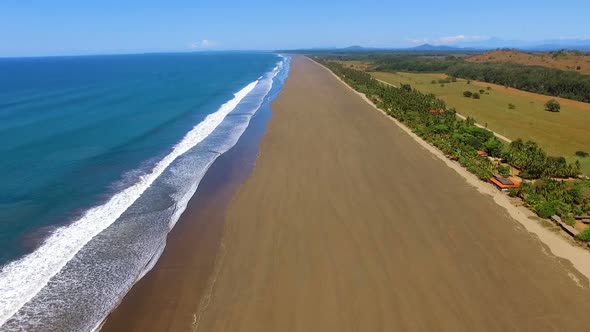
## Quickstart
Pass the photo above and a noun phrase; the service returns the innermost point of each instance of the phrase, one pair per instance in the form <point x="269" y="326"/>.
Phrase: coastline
<point x="119" y="238"/>
<point x="168" y="296"/>
<point x="346" y="225"/>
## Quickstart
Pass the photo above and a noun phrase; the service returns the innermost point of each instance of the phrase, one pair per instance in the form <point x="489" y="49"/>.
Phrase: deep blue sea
<point x="99" y="157"/>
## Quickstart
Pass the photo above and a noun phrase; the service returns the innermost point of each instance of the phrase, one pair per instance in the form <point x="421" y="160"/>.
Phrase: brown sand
<point x="168" y="297"/>
<point x="347" y="224"/>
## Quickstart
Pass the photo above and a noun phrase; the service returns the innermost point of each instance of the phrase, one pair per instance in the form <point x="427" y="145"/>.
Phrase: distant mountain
<point x="553" y="45"/>
<point x="539" y="45"/>
<point x="429" y="47"/>
<point x="354" y="48"/>
<point x="361" y="49"/>
<point x="485" y="45"/>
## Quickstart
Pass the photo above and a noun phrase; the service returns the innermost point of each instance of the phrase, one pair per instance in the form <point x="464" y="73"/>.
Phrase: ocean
<point x="100" y="156"/>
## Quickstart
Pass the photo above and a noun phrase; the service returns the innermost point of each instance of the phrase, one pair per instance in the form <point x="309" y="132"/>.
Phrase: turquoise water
<point x="100" y="156"/>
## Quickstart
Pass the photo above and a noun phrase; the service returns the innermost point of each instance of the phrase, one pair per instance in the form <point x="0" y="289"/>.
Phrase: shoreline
<point x="189" y="255"/>
<point x="346" y="225"/>
<point x="559" y="246"/>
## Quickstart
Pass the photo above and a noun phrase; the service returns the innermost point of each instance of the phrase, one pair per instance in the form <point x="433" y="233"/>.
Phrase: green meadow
<point x="561" y="133"/>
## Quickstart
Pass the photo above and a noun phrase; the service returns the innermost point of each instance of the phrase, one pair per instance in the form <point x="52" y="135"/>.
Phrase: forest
<point x="428" y="117"/>
<point x="536" y="79"/>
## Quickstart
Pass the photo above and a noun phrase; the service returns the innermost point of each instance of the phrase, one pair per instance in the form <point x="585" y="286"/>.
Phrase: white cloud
<point x="419" y="40"/>
<point x="205" y="43"/>
<point x="461" y="38"/>
<point x="448" y="39"/>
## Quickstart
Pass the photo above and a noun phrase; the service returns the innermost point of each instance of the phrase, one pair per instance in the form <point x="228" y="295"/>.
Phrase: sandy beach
<point x="168" y="297"/>
<point x="348" y="224"/>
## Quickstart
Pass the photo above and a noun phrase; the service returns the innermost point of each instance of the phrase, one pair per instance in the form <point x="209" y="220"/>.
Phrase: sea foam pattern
<point x="90" y="264"/>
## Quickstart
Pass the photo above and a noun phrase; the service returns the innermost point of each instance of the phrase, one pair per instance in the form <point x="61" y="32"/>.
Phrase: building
<point x="482" y="153"/>
<point x="503" y="183"/>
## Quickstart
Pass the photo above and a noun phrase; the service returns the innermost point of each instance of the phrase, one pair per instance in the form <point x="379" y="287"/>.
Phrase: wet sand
<point x="168" y="297"/>
<point x="348" y="224"/>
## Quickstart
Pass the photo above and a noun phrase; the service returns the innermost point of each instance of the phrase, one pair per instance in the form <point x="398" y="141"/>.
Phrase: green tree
<point x="511" y="106"/>
<point x="493" y="147"/>
<point x="552" y="106"/>
<point x="467" y="94"/>
<point x="475" y="95"/>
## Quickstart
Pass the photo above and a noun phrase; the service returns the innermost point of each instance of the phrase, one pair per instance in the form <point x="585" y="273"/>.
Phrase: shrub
<point x="552" y="106"/>
<point x="433" y="82"/>
<point x="467" y="94"/>
<point x="546" y="209"/>
<point x="406" y="87"/>
<point x="489" y="88"/>
<point x="582" y="154"/>
<point x="504" y="170"/>
<point x="584" y="235"/>
<point x="569" y="220"/>
<point x="475" y="95"/>
<point x="511" y="106"/>
<point x="533" y="199"/>
<point x="482" y="91"/>
<point x="441" y="129"/>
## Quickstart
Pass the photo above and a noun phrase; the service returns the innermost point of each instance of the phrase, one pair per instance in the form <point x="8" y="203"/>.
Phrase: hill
<point x="562" y="60"/>
<point x="428" y="47"/>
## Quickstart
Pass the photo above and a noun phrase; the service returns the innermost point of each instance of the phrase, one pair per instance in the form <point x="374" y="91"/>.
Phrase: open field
<point x="562" y="60"/>
<point x="561" y="133"/>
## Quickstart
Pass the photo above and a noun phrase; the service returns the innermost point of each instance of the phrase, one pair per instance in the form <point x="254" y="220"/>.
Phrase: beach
<point x="348" y="223"/>
<point x="89" y="202"/>
<point x="168" y="297"/>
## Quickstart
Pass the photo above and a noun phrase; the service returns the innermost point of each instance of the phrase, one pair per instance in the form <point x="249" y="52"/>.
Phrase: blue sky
<point x="35" y="27"/>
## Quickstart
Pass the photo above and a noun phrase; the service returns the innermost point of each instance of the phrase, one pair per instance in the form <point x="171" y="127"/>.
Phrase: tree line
<point x="537" y="79"/>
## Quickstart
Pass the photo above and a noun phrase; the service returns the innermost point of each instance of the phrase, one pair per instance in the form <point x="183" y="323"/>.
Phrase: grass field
<point x="563" y="60"/>
<point x="561" y="133"/>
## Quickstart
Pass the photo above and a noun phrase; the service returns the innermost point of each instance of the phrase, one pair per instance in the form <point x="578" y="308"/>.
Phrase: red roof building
<point x="435" y="111"/>
<point x="503" y="183"/>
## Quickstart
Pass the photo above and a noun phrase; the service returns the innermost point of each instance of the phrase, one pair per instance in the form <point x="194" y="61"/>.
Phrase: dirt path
<point x="347" y="224"/>
<point x="462" y="117"/>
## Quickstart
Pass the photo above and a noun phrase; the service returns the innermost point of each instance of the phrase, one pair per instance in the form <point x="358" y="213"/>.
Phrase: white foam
<point x="22" y="279"/>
